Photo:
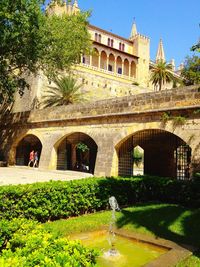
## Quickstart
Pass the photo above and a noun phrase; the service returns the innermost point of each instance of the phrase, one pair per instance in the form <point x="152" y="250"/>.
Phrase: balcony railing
<point x="107" y="72"/>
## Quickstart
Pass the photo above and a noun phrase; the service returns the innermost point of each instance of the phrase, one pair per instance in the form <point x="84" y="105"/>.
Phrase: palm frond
<point x="64" y="91"/>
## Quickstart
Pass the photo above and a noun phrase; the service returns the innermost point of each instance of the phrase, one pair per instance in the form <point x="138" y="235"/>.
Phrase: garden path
<point x="28" y="175"/>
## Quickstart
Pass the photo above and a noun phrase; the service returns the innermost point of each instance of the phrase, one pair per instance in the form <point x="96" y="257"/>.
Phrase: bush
<point x="29" y="244"/>
<point x="56" y="200"/>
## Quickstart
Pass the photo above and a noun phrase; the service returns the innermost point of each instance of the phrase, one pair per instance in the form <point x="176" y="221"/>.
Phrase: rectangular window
<point x="119" y="71"/>
<point x="96" y="37"/>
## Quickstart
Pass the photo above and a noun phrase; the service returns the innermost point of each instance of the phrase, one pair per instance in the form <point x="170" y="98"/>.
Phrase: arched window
<point x="99" y="38"/>
<point x="123" y="47"/>
<point x="120" y="46"/>
<point x="108" y="41"/>
<point x="111" y="42"/>
<point x="96" y="36"/>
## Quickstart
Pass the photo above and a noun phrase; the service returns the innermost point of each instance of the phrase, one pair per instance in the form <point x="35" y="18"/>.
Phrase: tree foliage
<point x="161" y="73"/>
<point x="191" y="70"/>
<point x="65" y="92"/>
<point x="196" y="47"/>
<point x="31" y="41"/>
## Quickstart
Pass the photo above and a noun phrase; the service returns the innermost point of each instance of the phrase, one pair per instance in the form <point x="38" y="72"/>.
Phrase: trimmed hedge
<point x="25" y="243"/>
<point x="56" y="199"/>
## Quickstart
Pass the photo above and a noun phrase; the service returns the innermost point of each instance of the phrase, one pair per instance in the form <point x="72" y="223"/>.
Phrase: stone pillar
<point x="122" y="67"/>
<point x="73" y="156"/>
<point x="99" y="61"/>
<point x="115" y="65"/>
<point x="46" y="160"/>
<point x="104" y="160"/>
<point x="90" y="63"/>
<point x="107" y="63"/>
<point x="129" y="70"/>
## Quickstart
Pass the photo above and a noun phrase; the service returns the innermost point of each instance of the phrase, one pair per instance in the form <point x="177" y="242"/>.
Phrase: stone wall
<point x="141" y="103"/>
<point x="108" y="123"/>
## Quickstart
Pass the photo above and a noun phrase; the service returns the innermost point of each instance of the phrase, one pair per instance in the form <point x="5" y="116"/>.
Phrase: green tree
<point x="191" y="70"/>
<point x="196" y="47"/>
<point x="65" y="92"/>
<point x="31" y="41"/>
<point x="161" y="73"/>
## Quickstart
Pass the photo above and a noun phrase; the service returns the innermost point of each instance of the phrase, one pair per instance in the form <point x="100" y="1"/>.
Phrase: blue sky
<point x="175" y="21"/>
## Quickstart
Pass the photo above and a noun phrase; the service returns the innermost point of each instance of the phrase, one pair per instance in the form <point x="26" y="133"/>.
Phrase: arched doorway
<point x="119" y="65"/>
<point x="95" y="58"/>
<point x="111" y="65"/>
<point x="77" y="152"/>
<point x="133" y="69"/>
<point x="165" y="154"/>
<point x="126" y="67"/>
<point x="25" y="146"/>
<point x="103" y="60"/>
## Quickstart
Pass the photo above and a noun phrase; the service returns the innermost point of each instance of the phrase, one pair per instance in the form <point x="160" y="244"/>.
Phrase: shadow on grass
<point x="171" y="222"/>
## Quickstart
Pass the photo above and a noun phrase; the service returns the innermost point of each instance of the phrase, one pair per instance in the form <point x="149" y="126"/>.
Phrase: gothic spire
<point x="160" y="56"/>
<point x="133" y="30"/>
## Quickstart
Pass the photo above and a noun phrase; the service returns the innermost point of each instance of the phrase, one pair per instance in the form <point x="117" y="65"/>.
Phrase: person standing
<point x="31" y="158"/>
<point x="35" y="164"/>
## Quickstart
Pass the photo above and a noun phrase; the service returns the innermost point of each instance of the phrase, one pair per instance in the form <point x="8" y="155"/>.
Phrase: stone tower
<point x="141" y="49"/>
<point x="60" y="7"/>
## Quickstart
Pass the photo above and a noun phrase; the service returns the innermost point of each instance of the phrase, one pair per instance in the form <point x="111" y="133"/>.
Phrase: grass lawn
<point x="172" y="222"/>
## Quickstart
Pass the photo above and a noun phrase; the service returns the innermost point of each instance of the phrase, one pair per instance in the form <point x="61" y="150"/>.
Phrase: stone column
<point x="115" y="65"/>
<point x="90" y="63"/>
<point x="129" y="70"/>
<point x="107" y="62"/>
<point x="46" y="160"/>
<point x="99" y="61"/>
<point x="104" y="160"/>
<point x="122" y="67"/>
<point x="73" y="156"/>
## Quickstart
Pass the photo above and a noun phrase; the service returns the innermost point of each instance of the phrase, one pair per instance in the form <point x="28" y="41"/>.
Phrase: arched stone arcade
<point x="165" y="154"/>
<point x="25" y="146"/>
<point x="109" y="61"/>
<point x="78" y="152"/>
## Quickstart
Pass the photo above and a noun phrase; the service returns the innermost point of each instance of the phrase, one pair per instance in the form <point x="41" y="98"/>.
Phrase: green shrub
<point x="31" y="245"/>
<point x="179" y="120"/>
<point x="56" y="200"/>
<point x="165" y="117"/>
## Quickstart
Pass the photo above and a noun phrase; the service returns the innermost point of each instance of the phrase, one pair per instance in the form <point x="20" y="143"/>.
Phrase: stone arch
<point x="133" y="69"/>
<point x="119" y="65"/>
<point x="165" y="154"/>
<point x="95" y="58"/>
<point x="111" y="64"/>
<point x="126" y="67"/>
<point x="86" y="59"/>
<point x="71" y="157"/>
<point x="25" y="146"/>
<point x="103" y="60"/>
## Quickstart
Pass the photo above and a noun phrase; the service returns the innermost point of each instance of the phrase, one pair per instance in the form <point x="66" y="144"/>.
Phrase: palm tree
<point x="64" y="92"/>
<point x="162" y="73"/>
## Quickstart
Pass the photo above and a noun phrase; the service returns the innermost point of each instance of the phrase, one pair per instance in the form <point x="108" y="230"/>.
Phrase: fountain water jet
<point x="115" y="207"/>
